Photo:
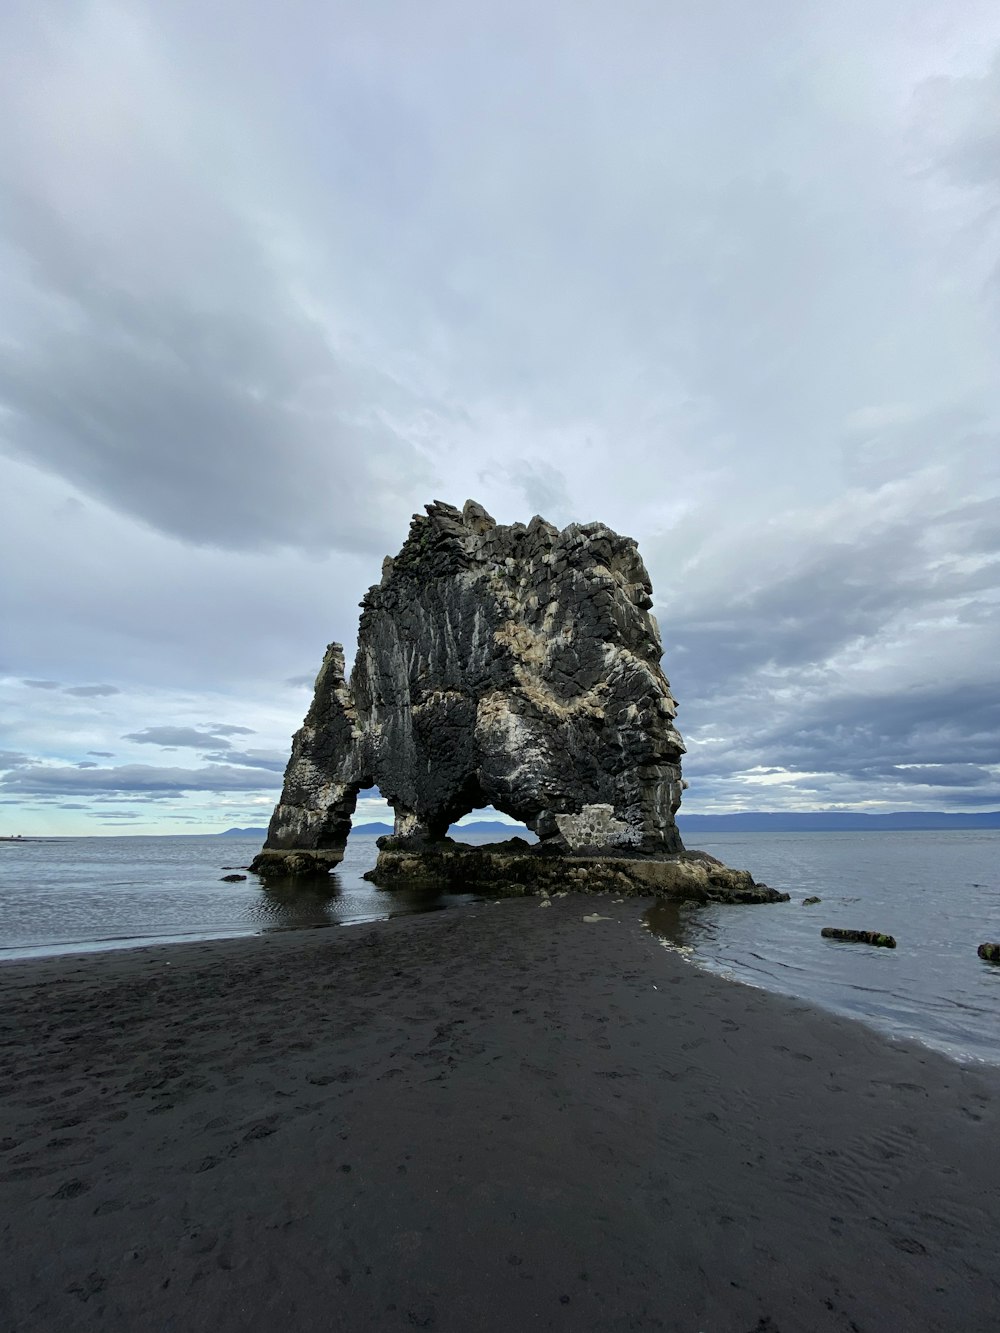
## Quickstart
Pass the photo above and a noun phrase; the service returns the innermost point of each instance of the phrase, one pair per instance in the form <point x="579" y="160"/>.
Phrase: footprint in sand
<point x="71" y="1189"/>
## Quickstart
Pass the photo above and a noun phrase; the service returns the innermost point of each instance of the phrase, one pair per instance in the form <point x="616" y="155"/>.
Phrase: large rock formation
<point x="517" y="667"/>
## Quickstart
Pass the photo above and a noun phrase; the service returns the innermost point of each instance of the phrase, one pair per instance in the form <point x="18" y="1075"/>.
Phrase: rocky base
<point x="515" y="869"/>
<point x="279" y="862"/>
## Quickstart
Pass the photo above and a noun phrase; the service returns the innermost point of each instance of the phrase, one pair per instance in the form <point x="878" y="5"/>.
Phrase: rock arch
<point x="517" y="667"/>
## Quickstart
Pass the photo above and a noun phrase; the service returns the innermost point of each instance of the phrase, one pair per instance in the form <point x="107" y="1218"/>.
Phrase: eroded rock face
<point x="517" y="667"/>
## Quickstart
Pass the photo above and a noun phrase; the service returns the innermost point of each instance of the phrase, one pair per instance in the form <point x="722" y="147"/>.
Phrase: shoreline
<point x="720" y="971"/>
<point x="457" y="1119"/>
<point x="40" y="953"/>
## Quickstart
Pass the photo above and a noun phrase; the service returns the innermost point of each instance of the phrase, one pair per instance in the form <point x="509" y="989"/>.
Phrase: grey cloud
<point x="945" y="775"/>
<point x="915" y="726"/>
<point x="838" y="590"/>
<point x="172" y="737"/>
<point x="958" y="124"/>
<point x="897" y="746"/>
<point x="300" y="682"/>
<point x="102" y="754"/>
<point x="617" y="285"/>
<point x="87" y="763"/>
<point x="91" y="691"/>
<point x="13" y="759"/>
<point x="225" y="729"/>
<point x="617" y="277"/>
<point x="41" y="684"/>
<point x="123" y="796"/>
<point x="543" y="487"/>
<point x="273" y="762"/>
<point x="135" y="778"/>
<point x="249" y="422"/>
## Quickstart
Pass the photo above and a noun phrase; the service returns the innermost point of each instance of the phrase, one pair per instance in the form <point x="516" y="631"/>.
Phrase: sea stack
<point x="517" y="667"/>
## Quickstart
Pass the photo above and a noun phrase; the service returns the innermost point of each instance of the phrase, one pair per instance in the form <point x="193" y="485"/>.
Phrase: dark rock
<point x="808" y="902"/>
<point x="504" y="870"/>
<point x="516" y="667"/>
<point x="232" y="879"/>
<point x="989" y="952"/>
<point x="858" y="936"/>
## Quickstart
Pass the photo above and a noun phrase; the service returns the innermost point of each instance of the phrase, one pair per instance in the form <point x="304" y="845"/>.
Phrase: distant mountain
<point x="492" y="826"/>
<point x="830" y="821"/>
<point x="456" y="830"/>
<point x="376" y="829"/>
<point x="747" y="821"/>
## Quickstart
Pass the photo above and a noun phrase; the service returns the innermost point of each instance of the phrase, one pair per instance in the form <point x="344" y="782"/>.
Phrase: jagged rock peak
<point x="514" y="666"/>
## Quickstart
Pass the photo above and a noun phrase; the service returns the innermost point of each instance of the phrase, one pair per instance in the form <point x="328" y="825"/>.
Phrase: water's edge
<point x="937" y="892"/>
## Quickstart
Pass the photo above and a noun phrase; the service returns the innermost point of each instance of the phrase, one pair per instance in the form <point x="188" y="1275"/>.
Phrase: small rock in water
<point x="990" y="953"/>
<point x="808" y="902"/>
<point x="858" y="937"/>
<point x="232" y="879"/>
<point x="596" y="917"/>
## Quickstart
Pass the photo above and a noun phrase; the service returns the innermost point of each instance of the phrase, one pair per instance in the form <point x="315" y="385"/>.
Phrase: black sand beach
<point x="499" y="1118"/>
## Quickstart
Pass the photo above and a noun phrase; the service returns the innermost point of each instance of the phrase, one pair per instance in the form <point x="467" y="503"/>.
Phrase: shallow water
<point x="937" y="892"/>
<point x="67" y="894"/>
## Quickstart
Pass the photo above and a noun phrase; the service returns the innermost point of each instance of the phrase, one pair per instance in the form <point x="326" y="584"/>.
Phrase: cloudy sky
<point x="724" y="276"/>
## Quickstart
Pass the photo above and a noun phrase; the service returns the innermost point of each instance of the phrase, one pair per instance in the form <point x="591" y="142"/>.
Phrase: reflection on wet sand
<point x="306" y="902"/>
<point x="422" y="898"/>
<point x="297" y="903"/>
<point x="670" y="922"/>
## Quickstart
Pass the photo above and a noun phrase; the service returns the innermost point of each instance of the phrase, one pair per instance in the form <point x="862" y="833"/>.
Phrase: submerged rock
<point x="990" y="953"/>
<point x="810" y="902"/>
<point x="517" y="667"/>
<point x="858" y="937"/>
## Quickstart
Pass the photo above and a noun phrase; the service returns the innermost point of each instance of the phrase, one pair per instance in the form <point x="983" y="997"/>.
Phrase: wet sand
<point x="498" y="1118"/>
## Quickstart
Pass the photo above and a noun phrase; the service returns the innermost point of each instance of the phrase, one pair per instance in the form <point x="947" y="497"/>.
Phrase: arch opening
<point x="373" y="816"/>
<point x="485" y="823"/>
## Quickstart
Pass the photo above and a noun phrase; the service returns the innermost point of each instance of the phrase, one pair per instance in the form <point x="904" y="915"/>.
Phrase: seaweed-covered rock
<point x="990" y="953"/>
<point x="515" y="869"/>
<point x="517" y="667"/>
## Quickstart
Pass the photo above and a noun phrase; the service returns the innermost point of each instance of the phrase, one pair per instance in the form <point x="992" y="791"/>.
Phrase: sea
<point x="937" y="892"/>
